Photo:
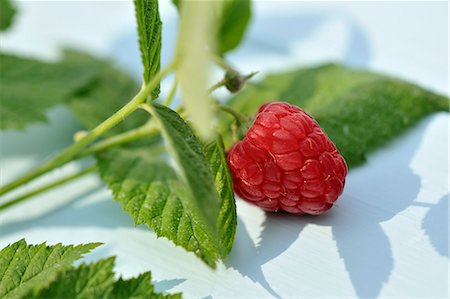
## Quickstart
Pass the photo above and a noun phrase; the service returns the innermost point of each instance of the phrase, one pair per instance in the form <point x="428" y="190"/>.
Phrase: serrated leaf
<point x="7" y="14"/>
<point x="192" y="165"/>
<point x="153" y="194"/>
<point x="359" y="110"/>
<point x="29" y="87"/>
<point x="149" y="31"/>
<point x="139" y="287"/>
<point x="234" y="21"/>
<point x="24" y="268"/>
<point x="40" y="271"/>
<point x="227" y="219"/>
<point x="83" y="282"/>
<point x="174" y="204"/>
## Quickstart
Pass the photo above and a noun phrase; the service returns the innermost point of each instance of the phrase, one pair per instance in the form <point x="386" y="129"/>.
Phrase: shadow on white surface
<point x="248" y="258"/>
<point x="434" y="225"/>
<point x="163" y="286"/>
<point x="78" y="212"/>
<point x="385" y="188"/>
<point x="45" y="138"/>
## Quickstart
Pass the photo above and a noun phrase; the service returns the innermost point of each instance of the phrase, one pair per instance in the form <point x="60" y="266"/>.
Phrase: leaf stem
<point x="220" y="61"/>
<point x="73" y="151"/>
<point x="237" y="116"/>
<point x="171" y="94"/>
<point x="218" y="85"/>
<point x="47" y="187"/>
<point x="148" y="129"/>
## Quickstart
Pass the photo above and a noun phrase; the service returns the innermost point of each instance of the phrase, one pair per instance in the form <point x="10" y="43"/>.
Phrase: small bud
<point x="234" y="81"/>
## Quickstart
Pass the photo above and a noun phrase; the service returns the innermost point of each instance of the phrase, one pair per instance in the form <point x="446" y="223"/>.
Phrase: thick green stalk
<point x="74" y="150"/>
<point x="44" y="188"/>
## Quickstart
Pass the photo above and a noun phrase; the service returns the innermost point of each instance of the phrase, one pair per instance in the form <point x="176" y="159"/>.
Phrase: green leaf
<point x="227" y="219"/>
<point x="24" y="268"/>
<point x="40" y="271"/>
<point x="86" y="281"/>
<point x="360" y="110"/>
<point x="182" y="206"/>
<point x="29" y="87"/>
<point x="193" y="167"/>
<point x="153" y="194"/>
<point x="139" y="287"/>
<point x="93" y="88"/>
<point x="7" y="14"/>
<point x="234" y="21"/>
<point x="149" y="31"/>
<point x="109" y="91"/>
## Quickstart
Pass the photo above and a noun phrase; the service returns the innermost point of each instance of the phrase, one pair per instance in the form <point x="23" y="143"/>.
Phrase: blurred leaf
<point x="29" y="87"/>
<point x="359" y="110"/>
<point x="24" y="268"/>
<point x="149" y="31"/>
<point x="93" y="89"/>
<point x="234" y="21"/>
<point x="109" y="91"/>
<point x="7" y="14"/>
<point x="227" y="219"/>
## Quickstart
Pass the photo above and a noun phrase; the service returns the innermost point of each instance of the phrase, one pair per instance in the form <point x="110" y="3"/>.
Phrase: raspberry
<point x="287" y="162"/>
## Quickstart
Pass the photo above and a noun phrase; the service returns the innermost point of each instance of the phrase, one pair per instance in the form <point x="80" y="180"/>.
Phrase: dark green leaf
<point x="7" y="13"/>
<point x="234" y="21"/>
<point x="153" y="194"/>
<point x="149" y="32"/>
<point x="28" y="87"/>
<point x="25" y="268"/>
<point x="359" y="110"/>
<point x="227" y="220"/>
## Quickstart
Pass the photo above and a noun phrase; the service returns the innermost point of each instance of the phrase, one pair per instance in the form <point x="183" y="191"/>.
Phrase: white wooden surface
<point x="387" y="236"/>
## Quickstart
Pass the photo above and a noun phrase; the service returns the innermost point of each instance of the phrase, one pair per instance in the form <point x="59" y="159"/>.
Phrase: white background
<point x="387" y="236"/>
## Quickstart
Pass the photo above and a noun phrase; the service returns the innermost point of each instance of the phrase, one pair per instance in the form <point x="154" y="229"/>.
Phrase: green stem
<point x="149" y="129"/>
<point x="220" y="61"/>
<point x="237" y="116"/>
<point x="47" y="187"/>
<point x="217" y="86"/>
<point x="73" y="151"/>
<point x="171" y="94"/>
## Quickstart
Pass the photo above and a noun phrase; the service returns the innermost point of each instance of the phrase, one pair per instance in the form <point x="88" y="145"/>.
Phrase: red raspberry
<point x="287" y="162"/>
